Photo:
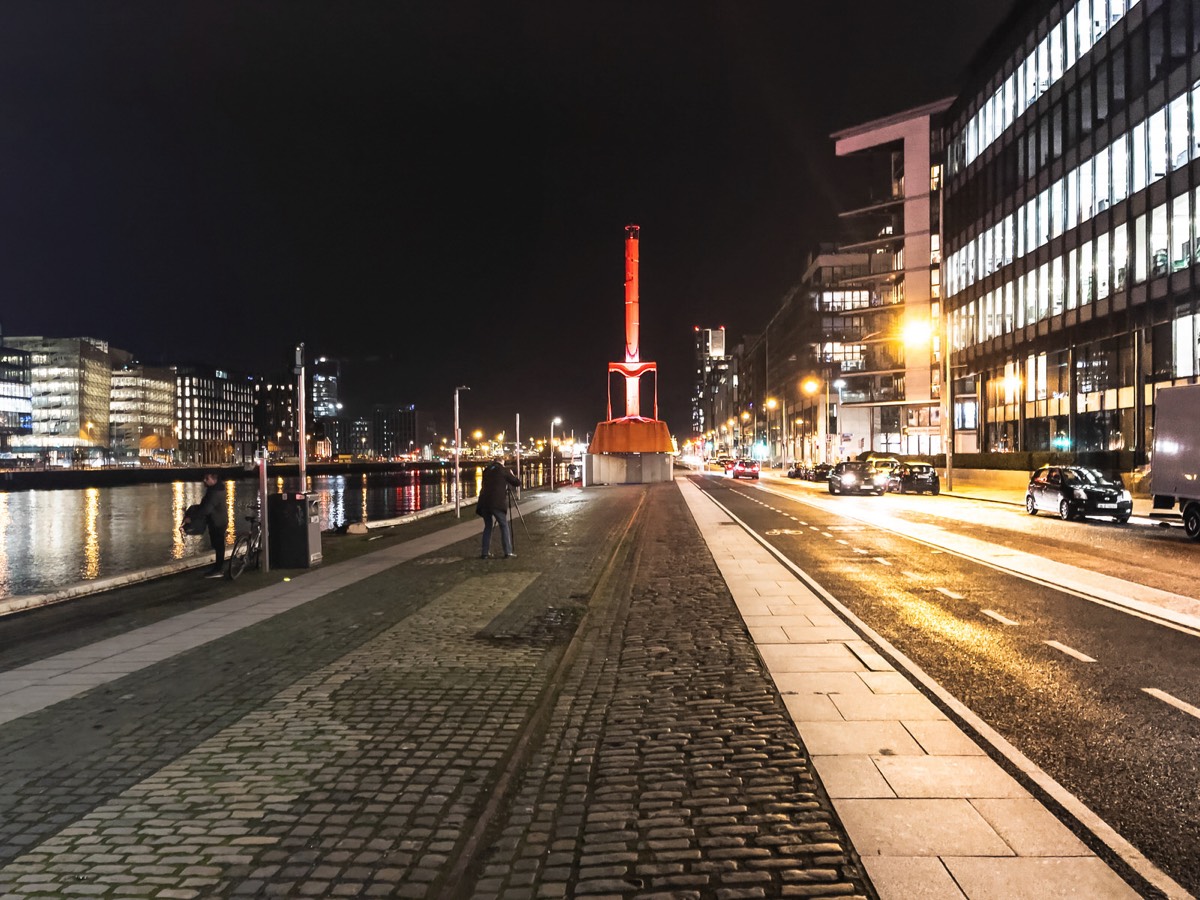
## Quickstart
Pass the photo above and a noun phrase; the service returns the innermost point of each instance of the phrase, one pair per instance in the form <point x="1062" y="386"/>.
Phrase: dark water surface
<point x="53" y="539"/>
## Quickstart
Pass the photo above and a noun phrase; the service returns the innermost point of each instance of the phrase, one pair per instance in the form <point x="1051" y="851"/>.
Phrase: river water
<point x="50" y="540"/>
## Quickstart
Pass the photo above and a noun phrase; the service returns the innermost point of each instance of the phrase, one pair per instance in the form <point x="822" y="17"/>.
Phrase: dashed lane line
<point x="1174" y="701"/>
<point x="1003" y="620"/>
<point x="1070" y="651"/>
<point x="861" y="550"/>
<point x="912" y="575"/>
<point x="881" y="560"/>
<point x="949" y="593"/>
<point x="844" y="543"/>
<point x="826" y="534"/>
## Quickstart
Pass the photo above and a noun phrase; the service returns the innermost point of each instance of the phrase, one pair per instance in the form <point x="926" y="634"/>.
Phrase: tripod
<point x="512" y="502"/>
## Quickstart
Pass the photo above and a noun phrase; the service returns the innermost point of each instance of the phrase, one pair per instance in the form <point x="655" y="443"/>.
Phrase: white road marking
<point x="814" y="527"/>
<point x="1174" y="701"/>
<point x="859" y="550"/>
<point x="1063" y="648"/>
<point x="1003" y="620"/>
<point x="882" y="561"/>
<point x="910" y="574"/>
<point x="846" y="543"/>
<point x="826" y="534"/>
<point x="949" y="593"/>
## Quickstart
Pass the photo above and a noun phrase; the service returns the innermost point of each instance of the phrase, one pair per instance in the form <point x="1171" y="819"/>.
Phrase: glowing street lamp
<point x="555" y="421"/>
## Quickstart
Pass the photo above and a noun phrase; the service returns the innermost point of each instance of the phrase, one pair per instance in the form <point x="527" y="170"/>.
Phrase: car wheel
<point x="1064" y="510"/>
<point x="1121" y="520"/>
<point x="1191" y="522"/>
<point x="1030" y="505"/>
<point x="937" y="489"/>
<point x="832" y="489"/>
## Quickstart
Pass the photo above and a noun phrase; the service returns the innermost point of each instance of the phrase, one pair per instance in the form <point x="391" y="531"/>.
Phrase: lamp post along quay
<point x="457" y="444"/>
<point x="300" y="417"/>
<point x="555" y="421"/>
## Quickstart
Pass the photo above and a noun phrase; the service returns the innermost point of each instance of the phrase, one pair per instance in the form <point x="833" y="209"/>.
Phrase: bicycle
<point x="247" y="548"/>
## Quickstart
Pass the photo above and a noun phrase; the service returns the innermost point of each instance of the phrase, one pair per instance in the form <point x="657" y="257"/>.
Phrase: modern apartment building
<point x="70" y="382"/>
<point x="887" y="351"/>
<point x="1071" y="223"/>
<point x="714" y="382"/>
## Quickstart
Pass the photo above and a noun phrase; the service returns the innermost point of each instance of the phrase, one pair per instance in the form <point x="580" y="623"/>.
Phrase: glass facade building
<point x="1072" y="223"/>
<point x="16" y="394"/>
<point x="70" y="381"/>
<point x="142" y="412"/>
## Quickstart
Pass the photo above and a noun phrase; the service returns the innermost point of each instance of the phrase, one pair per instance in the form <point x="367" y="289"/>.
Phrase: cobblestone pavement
<point x="430" y="732"/>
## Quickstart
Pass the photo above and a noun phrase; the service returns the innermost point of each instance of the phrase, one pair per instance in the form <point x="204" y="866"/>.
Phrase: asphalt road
<point x="1062" y="678"/>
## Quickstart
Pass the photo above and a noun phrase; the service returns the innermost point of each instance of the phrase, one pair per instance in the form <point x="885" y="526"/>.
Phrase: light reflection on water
<point x="52" y="539"/>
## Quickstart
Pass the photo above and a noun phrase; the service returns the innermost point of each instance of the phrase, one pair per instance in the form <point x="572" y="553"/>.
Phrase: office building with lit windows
<point x="1070" y="224"/>
<point x="326" y="374"/>
<point x="16" y="394"/>
<point x="214" y="415"/>
<point x="70" y="381"/>
<point x="275" y="422"/>
<point x="142" y="415"/>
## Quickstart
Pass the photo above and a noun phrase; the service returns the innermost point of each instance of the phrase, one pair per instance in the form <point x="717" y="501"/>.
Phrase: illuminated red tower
<point x="632" y="434"/>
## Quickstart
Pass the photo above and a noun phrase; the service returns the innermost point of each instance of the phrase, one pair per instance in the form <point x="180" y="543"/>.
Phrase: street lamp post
<point x="947" y="402"/>
<point x="771" y="404"/>
<point x="555" y="421"/>
<point x="457" y="443"/>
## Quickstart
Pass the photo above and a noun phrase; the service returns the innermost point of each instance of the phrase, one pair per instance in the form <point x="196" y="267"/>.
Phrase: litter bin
<point x="294" y="524"/>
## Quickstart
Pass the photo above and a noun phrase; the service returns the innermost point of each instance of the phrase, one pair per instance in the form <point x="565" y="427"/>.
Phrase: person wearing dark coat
<point x="493" y="505"/>
<point x="212" y="510"/>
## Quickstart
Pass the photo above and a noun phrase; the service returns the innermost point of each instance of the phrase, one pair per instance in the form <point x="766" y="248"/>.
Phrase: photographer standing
<point x="493" y="505"/>
<point x="211" y="510"/>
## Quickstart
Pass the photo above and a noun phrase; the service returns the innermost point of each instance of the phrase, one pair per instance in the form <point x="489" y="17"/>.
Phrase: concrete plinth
<point x="626" y="468"/>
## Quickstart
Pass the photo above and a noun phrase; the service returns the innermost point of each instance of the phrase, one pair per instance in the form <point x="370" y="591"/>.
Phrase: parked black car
<point x="1077" y="491"/>
<point x="819" y="472"/>
<point x="857" y="478"/>
<point x="915" y="477"/>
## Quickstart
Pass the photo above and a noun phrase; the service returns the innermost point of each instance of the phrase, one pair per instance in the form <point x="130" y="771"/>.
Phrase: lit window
<point x="1120" y="255"/>
<point x="1137" y="154"/>
<point x="1119" y="153"/>
<point x="1072" y="199"/>
<point x="1043" y="296"/>
<point x="1139" y="249"/>
<point x="1072" y="278"/>
<point x="1086" y="192"/>
<point x="1087" y="284"/>
<point x="1181" y="233"/>
<point x="1159" y="249"/>
<point x="1177" y="115"/>
<point x="1156" y="135"/>
<point x="1103" y="262"/>
<point x="1056" y="208"/>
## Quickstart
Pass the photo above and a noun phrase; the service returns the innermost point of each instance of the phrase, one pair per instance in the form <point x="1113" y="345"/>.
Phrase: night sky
<point x="437" y="192"/>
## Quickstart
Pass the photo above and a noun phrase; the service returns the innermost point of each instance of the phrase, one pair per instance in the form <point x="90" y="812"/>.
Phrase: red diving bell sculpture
<point x="632" y="449"/>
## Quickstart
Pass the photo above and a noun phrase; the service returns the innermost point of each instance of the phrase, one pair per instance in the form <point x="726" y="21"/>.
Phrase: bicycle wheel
<point x="240" y="556"/>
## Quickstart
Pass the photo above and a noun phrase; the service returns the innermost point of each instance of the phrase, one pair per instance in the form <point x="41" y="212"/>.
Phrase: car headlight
<point x="848" y="479"/>
<point x="1080" y="494"/>
<point x="881" y="479"/>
